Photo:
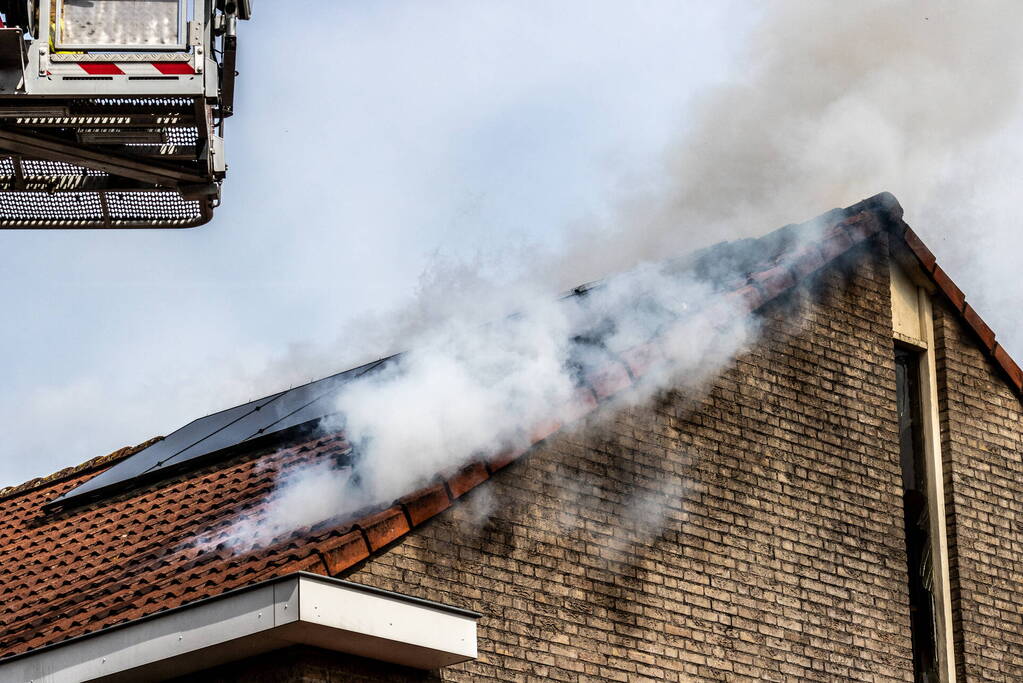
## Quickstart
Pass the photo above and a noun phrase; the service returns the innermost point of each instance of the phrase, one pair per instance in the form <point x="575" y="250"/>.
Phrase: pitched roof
<point x="146" y="550"/>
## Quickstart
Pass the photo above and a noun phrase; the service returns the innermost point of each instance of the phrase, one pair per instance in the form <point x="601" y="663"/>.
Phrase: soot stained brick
<point x="751" y="533"/>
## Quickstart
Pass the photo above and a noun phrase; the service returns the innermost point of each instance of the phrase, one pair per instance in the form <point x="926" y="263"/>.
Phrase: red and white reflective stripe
<point x="174" y="68"/>
<point x="101" y="69"/>
<point x="136" y="69"/>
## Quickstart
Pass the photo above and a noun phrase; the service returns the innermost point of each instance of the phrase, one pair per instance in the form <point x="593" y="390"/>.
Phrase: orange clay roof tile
<point x="918" y="248"/>
<point x="985" y="333"/>
<point x="384" y="527"/>
<point x="468" y="478"/>
<point x="609" y="380"/>
<point x="425" y="504"/>
<point x="952" y="292"/>
<point x="1009" y="366"/>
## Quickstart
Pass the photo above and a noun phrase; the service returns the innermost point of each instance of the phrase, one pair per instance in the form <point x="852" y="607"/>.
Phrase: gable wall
<point x="982" y="446"/>
<point x="775" y="549"/>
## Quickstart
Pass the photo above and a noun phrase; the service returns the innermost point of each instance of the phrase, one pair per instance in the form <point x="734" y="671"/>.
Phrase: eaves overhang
<point x="299" y="608"/>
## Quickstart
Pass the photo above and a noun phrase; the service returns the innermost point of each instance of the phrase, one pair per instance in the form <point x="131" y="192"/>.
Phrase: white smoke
<point x="471" y="391"/>
<point x="839" y="101"/>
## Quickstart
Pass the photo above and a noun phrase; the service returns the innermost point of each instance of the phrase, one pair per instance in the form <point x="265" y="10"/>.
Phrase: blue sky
<point x="375" y="145"/>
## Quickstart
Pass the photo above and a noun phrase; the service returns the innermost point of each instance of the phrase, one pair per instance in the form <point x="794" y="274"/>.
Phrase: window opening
<point x="915" y="516"/>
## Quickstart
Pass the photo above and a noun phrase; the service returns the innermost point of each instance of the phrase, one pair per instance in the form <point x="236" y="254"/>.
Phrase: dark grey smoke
<point x="839" y="101"/>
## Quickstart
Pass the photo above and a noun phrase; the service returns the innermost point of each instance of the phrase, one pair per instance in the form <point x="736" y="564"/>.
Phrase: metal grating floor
<point x="140" y="209"/>
<point x="38" y="193"/>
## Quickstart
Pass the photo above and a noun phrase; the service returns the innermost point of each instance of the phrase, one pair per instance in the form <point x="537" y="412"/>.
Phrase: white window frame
<point x="913" y="325"/>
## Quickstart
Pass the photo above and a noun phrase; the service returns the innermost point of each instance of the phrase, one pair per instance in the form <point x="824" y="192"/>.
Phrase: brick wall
<point x="982" y="445"/>
<point x="754" y="533"/>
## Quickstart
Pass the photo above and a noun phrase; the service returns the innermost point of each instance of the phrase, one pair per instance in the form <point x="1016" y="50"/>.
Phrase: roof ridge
<point x="74" y="470"/>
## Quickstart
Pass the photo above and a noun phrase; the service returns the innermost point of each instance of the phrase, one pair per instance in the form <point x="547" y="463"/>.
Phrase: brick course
<point x="982" y="447"/>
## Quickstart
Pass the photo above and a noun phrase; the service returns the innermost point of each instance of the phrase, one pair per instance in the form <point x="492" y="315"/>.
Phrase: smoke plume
<point x="837" y="101"/>
<point x="470" y="391"/>
<point x="831" y="102"/>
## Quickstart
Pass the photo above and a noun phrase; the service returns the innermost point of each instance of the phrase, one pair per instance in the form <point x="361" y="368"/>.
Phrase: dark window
<point x="915" y="515"/>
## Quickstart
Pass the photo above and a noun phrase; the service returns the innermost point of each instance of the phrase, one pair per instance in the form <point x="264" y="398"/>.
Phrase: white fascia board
<point x="297" y="609"/>
<point x="372" y="624"/>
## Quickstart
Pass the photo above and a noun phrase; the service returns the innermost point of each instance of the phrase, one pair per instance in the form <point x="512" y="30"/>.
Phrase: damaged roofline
<point x="296" y="609"/>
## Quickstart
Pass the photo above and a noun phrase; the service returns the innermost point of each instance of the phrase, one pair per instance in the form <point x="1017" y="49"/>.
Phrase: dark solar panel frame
<point x="300" y="408"/>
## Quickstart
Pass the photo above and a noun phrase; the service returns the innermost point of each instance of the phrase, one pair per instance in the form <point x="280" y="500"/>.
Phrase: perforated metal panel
<point x="19" y="208"/>
<point x="186" y="135"/>
<point x="95" y="209"/>
<point x="42" y="169"/>
<point x="43" y="192"/>
<point x="162" y="206"/>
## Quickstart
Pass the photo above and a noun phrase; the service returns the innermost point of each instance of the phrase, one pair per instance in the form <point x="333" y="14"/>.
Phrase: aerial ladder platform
<point x="112" y="111"/>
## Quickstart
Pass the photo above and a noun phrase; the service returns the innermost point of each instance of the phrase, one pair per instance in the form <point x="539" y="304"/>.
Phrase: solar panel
<point x="303" y="405"/>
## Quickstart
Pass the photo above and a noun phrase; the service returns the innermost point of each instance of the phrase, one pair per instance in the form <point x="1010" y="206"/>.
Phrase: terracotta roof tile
<point x="504" y="458"/>
<point x="579" y="406"/>
<point x="543" y="429"/>
<point x="384" y="527"/>
<point x="985" y="333"/>
<point x="835" y="242"/>
<point x="424" y="504"/>
<point x="641" y="358"/>
<point x="952" y="292"/>
<point x="1009" y="366"/>
<point x="749" y="297"/>
<point x="861" y="226"/>
<point x="346" y="551"/>
<point x="468" y="478"/>
<point x="918" y="248"/>
<point x="609" y="380"/>
<point x="807" y="260"/>
<point x="162" y="545"/>
<point x="774" y="281"/>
